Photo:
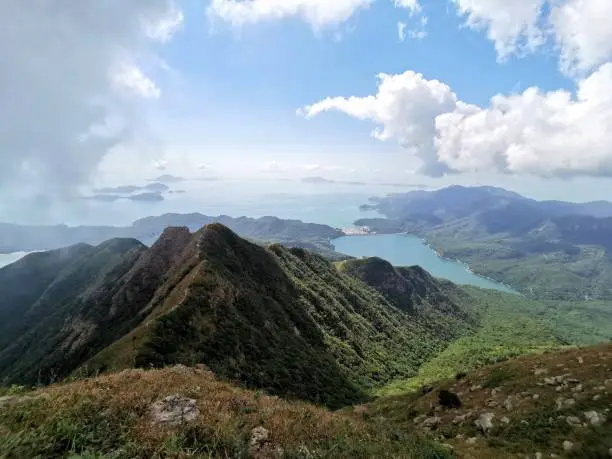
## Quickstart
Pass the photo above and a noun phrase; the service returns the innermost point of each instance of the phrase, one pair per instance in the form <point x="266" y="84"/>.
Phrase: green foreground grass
<point x="110" y="417"/>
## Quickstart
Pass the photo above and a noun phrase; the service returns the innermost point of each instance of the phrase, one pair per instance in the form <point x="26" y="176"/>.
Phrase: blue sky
<point x="517" y="94"/>
<point x="242" y="86"/>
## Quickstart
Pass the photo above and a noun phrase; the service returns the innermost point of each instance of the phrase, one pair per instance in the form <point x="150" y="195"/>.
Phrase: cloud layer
<point x="546" y="134"/>
<point x="71" y="83"/>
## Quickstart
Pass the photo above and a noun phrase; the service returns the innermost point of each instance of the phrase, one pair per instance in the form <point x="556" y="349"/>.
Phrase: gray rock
<point x="538" y="456"/>
<point x="485" y="422"/>
<point x="540" y="371"/>
<point x="505" y="420"/>
<point x="471" y="441"/>
<point x="431" y="422"/>
<point x="573" y="421"/>
<point x="610" y="452"/>
<point x="460" y="419"/>
<point x="594" y="418"/>
<point x="563" y="403"/>
<point x="259" y="436"/>
<point x="580" y="360"/>
<point x="578" y="388"/>
<point x="174" y="410"/>
<point x="567" y="445"/>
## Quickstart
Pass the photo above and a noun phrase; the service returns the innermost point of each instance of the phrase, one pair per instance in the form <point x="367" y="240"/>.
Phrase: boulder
<point x="174" y="410"/>
<point x="485" y="422"/>
<point x="594" y="418"/>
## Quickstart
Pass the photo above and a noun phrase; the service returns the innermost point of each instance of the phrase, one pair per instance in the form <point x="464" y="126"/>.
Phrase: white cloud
<point x="411" y="5"/>
<point x="420" y="32"/>
<point x="554" y="133"/>
<point x="131" y="77"/>
<point x="65" y="72"/>
<point x="577" y="27"/>
<point x="401" y="30"/>
<point x="318" y="13"/>
<point x="583" y="32"/>
<point x="405" y="109"/>
<point x="511" y="25"/>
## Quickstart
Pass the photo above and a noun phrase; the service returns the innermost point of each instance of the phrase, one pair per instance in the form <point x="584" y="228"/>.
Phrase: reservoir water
<point x="406" y="250"/>
<point x="8" y="258"/>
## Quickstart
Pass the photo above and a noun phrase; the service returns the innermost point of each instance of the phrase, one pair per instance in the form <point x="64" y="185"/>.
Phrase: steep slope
<point x="405" y="287"/>
<point x="24" y="281"/>
<point x="42" y="340"/>
<point x="284" y="320"/>
<point x="97" y="299"/>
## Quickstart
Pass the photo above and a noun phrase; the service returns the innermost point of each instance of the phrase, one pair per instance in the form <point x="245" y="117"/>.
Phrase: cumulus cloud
<point x="405" y="109"/>
<point x="318" y="13"/>
<point x="583" y="33"/>
<point x="71" y="84"/>
<point x="511" y="25"/>
<point x="575" y="27"/>
<point x="543" y="133"/>
<point x="411" y="5"/>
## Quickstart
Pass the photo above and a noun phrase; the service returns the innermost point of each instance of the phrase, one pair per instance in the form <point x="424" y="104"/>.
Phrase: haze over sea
<point x="332" y="204"/>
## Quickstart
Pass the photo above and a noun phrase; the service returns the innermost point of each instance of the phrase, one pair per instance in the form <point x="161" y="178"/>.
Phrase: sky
<point x="516" y="94"/>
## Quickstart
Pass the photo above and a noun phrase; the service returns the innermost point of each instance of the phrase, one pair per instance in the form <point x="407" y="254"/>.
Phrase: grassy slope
<point x="109" y="417"/>
<point x="535" y="424"/>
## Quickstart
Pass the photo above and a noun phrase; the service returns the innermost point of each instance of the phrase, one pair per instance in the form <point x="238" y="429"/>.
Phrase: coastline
<point x="425" y="242"/>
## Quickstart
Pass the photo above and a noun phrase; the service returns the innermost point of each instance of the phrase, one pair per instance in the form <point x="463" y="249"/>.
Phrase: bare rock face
<point x="174" y="410"/>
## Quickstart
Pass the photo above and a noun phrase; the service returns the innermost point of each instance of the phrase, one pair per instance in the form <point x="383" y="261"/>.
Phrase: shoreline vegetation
<point x="367" y="231"/>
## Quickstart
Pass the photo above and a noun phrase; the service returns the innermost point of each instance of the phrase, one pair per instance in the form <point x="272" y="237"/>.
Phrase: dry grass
<point x="110" y="415"/>
<point x="534" y="424"/>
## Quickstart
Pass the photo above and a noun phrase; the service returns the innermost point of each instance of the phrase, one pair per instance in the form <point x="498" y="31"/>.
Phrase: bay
<point x="407" y="250"/>
<point x="8" y="258"/>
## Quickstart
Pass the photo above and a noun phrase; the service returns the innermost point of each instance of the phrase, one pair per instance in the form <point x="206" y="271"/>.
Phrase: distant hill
<point x="547" y="249"/>
<point x="294" y="233"/>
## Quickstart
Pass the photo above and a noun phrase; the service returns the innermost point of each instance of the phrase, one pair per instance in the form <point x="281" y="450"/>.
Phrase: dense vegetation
<point x="548" y="250"/>
<point x="288" y="321"/>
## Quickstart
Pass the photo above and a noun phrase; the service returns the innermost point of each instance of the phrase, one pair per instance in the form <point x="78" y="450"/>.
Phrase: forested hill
<point x="286" y="320"/>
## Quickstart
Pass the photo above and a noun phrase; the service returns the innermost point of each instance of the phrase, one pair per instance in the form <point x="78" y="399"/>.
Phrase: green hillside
<point x="285" y="320"/>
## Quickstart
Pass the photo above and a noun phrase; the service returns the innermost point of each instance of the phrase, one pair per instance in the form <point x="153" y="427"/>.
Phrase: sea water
<point x="407" y="250"/>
